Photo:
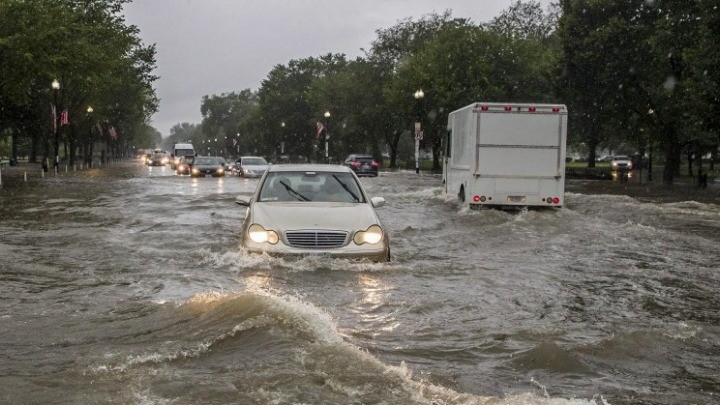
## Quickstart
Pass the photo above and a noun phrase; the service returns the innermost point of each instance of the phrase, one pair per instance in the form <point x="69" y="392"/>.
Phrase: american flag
<point x="320" y="129"/>
<point x="64" y="117"/>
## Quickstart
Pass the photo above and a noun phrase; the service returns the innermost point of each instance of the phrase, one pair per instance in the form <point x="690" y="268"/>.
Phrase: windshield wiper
<point x="355" y="197"/>
<point x="293" y="192"/>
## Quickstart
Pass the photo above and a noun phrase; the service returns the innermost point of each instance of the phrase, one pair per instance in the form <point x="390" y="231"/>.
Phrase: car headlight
<point x="372" y="235"/>
<point x="220" y="170"/>
<point x="195" y="171"/>
<point x="258" y="234"/>
<point x="614" y="163"/>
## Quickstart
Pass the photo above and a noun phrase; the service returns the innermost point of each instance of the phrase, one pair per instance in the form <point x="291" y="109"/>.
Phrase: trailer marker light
<point x="531" y="108"/>
<point x="556" y="200"/>
<point x="556" y="109"/>
<point x="484" y="108"/>
<point x="508" y="108"/>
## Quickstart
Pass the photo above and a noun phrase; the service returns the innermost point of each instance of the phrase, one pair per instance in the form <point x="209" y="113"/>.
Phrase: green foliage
<point x="635" y="72"/>
<point x="97" y="59"/>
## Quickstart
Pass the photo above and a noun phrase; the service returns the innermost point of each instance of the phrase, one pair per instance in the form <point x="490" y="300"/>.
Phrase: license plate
<point x="318" y="255"/>
<point x="365" y="167"/>
<point x="516" y="199"/>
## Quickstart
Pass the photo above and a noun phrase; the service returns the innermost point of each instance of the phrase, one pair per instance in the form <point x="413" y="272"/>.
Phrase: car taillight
<point x="374" y="164"/>
<point x="356" y="164"/>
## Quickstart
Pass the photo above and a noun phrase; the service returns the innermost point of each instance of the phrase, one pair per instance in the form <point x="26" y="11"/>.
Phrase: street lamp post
<point x="282" y="142"/>
<point x="419" y="95"/>
<point x="327" y="135"/>
<point x="55" y="87"/>
<point x="86" y="149"/>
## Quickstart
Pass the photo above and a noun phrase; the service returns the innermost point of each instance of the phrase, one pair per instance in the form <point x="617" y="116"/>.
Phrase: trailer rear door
<point x="519" y="144"/>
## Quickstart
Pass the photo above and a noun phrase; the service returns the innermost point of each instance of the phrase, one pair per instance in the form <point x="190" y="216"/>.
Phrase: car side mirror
<point x="243" y="200"/>
<point x="377" y="202"/>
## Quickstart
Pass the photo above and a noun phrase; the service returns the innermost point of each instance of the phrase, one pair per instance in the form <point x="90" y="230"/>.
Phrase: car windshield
<point x="208" y="161"/>
<point x="311" y="187"/>
<point x="620" y="158"/>
<point x="254" y="161"/>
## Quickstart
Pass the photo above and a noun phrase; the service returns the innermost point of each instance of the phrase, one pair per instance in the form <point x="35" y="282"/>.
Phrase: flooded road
<point x="128" y="286"/>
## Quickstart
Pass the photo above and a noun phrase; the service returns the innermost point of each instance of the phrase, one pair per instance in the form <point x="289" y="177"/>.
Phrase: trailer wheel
<point x="461" y="194"/>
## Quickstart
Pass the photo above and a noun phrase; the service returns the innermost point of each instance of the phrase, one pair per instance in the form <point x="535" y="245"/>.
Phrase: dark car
<point x="362" y="165"/>
<point x="208" y="165"/>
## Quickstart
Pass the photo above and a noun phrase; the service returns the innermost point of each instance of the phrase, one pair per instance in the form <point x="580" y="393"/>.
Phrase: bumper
<point x="204" y="174"/>
<point x="375" y="253"/>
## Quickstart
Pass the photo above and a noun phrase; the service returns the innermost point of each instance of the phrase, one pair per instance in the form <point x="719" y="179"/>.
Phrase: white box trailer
<point x="506" y="155"/>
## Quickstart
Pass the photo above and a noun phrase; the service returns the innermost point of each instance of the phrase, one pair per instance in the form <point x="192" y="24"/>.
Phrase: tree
<point x="223" y="114"/>
<point x="94" y="55"/>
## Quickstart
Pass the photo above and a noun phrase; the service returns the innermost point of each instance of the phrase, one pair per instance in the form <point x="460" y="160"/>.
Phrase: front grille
<point x="316" y="239"/>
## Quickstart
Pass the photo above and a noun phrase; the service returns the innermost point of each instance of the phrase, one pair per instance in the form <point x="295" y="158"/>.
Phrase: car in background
<point x="313" y="210"/>
<point x="250" y="166"/>
<point x="606" y="159"/>
<point x="158" y="159"/>
<point x="184" y="165"/>
<point x="208" y="166"/>
<point x="621" y="162"/>
<point x="362" y="165"/>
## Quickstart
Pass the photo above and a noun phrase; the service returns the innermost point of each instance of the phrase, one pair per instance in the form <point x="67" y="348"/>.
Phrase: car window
<point x="311" y="187"/>
<point x="254" y="161"/>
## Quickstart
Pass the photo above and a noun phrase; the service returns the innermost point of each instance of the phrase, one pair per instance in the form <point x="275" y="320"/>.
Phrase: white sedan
<point x="621" y="162"/>
<point x="313" y="210"/>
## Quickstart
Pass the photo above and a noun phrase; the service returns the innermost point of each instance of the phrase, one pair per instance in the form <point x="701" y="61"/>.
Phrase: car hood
<point x="282" y="216"/>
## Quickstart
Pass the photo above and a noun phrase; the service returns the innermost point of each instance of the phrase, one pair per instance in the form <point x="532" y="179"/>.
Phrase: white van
<point x="182" y="150"/>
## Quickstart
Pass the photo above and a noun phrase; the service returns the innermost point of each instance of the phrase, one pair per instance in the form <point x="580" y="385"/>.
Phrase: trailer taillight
<point x="484" y="108"/>
<point x="476" y="198"/>
<point x="508" y="108"/>
<point x="552" y="200"/>
<point x="556" y="109"/>
<point x="531" y="108"/>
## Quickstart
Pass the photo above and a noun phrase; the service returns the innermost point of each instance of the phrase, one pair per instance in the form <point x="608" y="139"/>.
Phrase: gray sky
<point x="207" y="47"/>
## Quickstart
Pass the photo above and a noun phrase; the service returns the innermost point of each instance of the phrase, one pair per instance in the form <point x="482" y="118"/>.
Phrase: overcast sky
<point x="207" y="47"/>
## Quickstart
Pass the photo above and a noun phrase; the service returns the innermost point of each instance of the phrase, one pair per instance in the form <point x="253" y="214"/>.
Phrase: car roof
<point x="308" y="167"/>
